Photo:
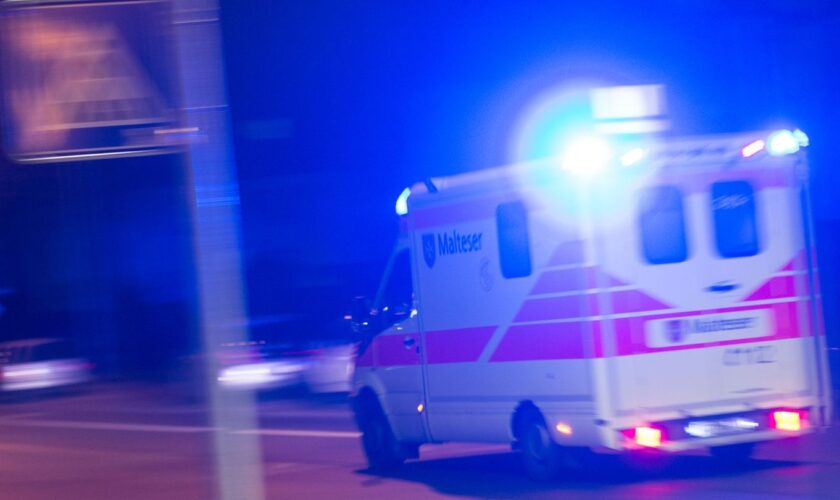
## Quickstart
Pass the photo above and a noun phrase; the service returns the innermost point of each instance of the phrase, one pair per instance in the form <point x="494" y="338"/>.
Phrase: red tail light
<point x="646" y="436"/>
<point x="787" y="420"/>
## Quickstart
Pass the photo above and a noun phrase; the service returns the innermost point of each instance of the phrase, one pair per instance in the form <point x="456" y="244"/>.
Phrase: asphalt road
<point x="135" y="441"/>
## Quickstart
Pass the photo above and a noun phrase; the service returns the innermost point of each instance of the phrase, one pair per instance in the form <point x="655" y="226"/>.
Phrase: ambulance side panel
<point x="503" y="321"/>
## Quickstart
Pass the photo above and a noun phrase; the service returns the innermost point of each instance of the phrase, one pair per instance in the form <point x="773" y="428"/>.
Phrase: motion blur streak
<point x="216" y="228"/>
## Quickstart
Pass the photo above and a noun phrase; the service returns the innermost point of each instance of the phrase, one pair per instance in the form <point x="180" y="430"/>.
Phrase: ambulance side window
<point x="514" y="244"/>
<point x="662" y="224"/>
<point x="733" y="213"/>
<point x="398" y="291"/>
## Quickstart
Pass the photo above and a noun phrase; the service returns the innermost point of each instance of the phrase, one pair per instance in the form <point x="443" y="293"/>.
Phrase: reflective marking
<point x="302" y="433"/>
<point x="105" y="426"/>
<point x="185" y="429"/>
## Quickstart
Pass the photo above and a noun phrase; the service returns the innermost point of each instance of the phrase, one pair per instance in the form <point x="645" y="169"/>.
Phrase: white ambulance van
<point x="652" y="296"/>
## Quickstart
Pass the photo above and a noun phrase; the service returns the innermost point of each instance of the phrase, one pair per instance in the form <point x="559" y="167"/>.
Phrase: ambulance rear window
<point x="733" y="209"/>
<point x="514" y="246"/>
<point x="662" y="224"/>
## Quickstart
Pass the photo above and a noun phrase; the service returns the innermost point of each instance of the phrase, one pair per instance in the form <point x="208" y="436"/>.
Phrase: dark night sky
<point x="337" y="106"/>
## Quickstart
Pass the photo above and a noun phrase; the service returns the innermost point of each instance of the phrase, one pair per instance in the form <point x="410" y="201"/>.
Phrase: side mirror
<point x="362" y="319"/>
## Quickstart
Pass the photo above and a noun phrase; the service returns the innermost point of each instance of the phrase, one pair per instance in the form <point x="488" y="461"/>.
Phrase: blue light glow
<point x="802" y="138"/>
<point x="782" y="142"/>
<point x="633" y="156"/>
<point x="402" y="202"/>
<point x="587" y="155"/>
<point x="547" y="120"/>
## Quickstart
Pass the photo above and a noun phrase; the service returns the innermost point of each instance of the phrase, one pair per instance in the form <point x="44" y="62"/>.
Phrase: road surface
<point x="133" y="441"/>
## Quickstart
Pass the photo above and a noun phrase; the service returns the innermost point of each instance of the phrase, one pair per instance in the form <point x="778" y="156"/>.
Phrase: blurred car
<point x="320" y="360"/>
<point x="41" y="363"/>
<point x="257" y="365"/>
<point x="332" y="358"/>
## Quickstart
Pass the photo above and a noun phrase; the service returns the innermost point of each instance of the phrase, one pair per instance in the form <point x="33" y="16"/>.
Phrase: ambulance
<point x="652" y="296"/>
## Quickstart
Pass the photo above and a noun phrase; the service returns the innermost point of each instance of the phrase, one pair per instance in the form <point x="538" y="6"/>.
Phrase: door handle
<point x="409" y="342"/>
<point x="722" y="287"/>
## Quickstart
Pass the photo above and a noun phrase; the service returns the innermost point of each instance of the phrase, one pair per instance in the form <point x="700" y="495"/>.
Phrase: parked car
<point x="41" y="363"/>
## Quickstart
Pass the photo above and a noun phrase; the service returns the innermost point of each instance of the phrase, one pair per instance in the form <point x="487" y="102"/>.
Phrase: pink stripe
<point x="462" y="345"/>
<point x="544" y="341"/>
<point x="572" y="306"/>
<point x="391" y="351"/>
<point x="630" y="301"/>
<point x="778" y="287"/>
<point x="630" y="332"/>
<point x="797" y="263"/>
<point x="565" y="280"/>
<point x="365" y="358"/>
<point x="570" y="252"/>
<point x="597" y="338"/>
<point x="457" y="213"/>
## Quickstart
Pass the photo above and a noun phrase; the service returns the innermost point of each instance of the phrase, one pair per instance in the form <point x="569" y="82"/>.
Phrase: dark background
<point x="337" y="106"/>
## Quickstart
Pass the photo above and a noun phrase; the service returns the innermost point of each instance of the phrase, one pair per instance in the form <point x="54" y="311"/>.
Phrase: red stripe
<point x="778" y="287"/>
<point x="598" y="339"/>
<point x="461" y="345"/>
<point x="630" y="301"/>
<point x="390" y="350"/>
<point x="564" y="280"/>
<point x="365" y="358"/>
<point x="541" y="342"/>
<point x="572" y="306"/>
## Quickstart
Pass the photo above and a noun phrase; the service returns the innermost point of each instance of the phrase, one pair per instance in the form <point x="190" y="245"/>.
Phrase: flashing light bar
<point x="587" y="155"/>
<point x="782" y="143"/>
<point x="402" y="202"/>
<point x="779" y="143"/>
<point x="753" y="148"/>
<point x="633" y="156"/>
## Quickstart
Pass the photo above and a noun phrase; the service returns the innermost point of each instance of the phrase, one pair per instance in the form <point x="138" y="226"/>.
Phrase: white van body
<point x="677" y="293"/>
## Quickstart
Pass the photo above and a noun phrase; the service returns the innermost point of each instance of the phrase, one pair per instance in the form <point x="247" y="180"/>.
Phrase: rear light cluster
<point x="654" y="435"/>
<point x="646" y="436"/>
<point x="788" y="420"/>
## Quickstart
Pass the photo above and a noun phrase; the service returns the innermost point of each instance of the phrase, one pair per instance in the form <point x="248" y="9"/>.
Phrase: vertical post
<point x="216" y="230"/>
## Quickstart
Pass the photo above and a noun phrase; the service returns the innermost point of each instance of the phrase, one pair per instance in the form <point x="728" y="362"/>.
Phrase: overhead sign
<point x="87" y="80"/>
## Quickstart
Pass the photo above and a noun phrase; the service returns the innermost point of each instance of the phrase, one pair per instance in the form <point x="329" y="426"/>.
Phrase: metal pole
<point x="216" y="230"/>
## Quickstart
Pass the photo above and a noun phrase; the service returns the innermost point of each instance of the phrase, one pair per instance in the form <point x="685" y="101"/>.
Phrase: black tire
<point x="381" y="448"/>
<point x="733" y="454"/>
<point x="540" y="454"/>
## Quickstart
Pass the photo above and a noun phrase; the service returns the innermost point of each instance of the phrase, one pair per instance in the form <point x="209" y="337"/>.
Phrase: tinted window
<point x="733" y="209"/>
<point x="662" y="224"/>
<point x="514" y="246"/>
<point x="398" y="290"/>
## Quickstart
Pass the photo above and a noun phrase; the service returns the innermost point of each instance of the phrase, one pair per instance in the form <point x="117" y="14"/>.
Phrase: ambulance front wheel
<point x="381" y="448"/>
<point x="540" y="454"/>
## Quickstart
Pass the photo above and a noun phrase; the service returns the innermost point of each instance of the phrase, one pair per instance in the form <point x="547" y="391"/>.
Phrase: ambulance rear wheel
<point x="378" y="442"/>
<point x="733" y="454"/>
<point x="541" y="455"/>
